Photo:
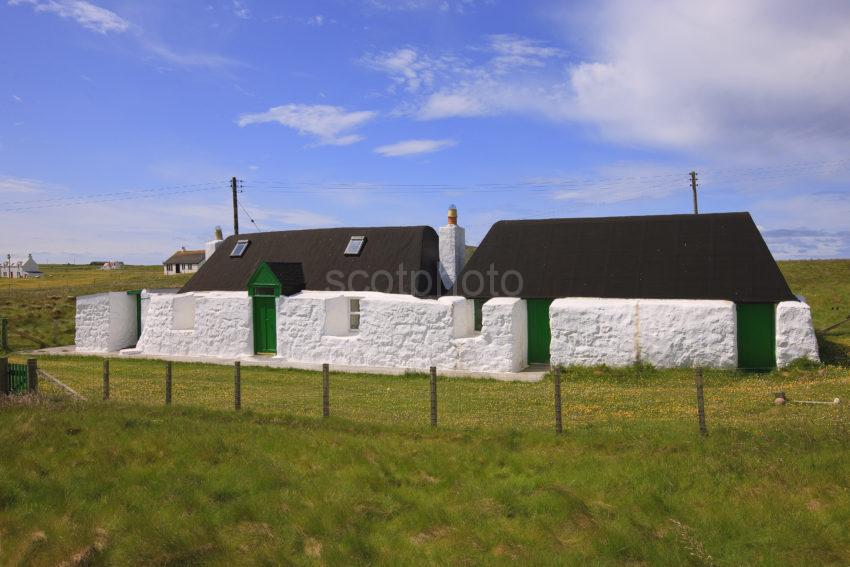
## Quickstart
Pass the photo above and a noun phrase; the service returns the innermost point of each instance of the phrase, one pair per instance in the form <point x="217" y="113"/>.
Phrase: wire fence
<point x="563" y="400"/>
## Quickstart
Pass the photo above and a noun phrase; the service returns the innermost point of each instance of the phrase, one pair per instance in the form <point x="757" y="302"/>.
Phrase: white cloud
<point x="10" y="184"/>
<point x="761" y="76"/>
<point x="328" y="124"/>
<point x="407" y="67"/>
<point x="240" y="10"/>
<point x="84" y="13"/>
<point x="16" y="98"/>
<point x="318" y="20"/>
<point x="187" y="59"/>
<point x="413" y="147"/>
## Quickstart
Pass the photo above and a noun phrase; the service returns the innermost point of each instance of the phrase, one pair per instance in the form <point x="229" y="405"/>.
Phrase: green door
<point x="756" y="336"/>
<point x="265" y="323"/>
<point x="539" y="334"/>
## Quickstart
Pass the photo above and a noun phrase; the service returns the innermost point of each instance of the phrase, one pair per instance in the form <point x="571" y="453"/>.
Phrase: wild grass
<point x="630" y="480"/>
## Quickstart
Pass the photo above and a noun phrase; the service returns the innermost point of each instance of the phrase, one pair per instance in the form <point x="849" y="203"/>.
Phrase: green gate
<point x="756" y="336"/>
<point x="265" y="321"/>
<point x="18" y="382"/>
<point x="539" y="333"/>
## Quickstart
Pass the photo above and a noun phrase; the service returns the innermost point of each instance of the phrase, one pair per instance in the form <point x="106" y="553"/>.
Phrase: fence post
<point x="32" y="375"/>
<point x="5" y="382"/>
<point x="700" y="401"/>
<point x="4" y="335"/>
<point x="105" y="379"/>
<point x="559" y="425"/>
<point x="237" y="385"/>
<point x="433" y="396"/>
<point x="326" y="393"/>
<point x="168" y="383"/>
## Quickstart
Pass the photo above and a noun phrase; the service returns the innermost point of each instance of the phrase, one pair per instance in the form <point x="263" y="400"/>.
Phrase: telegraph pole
<point x="236" y="207"/>
<point x="693" y="187"/>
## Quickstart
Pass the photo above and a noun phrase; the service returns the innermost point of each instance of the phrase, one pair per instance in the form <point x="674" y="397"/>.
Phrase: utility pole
<point x="235" y="207"/>
<point x="693" y="187"/>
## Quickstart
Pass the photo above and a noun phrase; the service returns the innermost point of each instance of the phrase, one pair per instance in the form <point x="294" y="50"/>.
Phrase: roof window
<point x="355" y="245"/>
<point x="239" y="249"/>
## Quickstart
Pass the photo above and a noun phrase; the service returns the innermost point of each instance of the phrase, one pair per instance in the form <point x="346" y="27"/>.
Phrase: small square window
<point x="353" y="314"/>
<point x="239" y="249"/>
<point x="355" y="245"/>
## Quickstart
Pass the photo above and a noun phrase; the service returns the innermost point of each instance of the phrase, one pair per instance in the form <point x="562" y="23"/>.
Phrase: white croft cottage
<point x="671" y="291"/>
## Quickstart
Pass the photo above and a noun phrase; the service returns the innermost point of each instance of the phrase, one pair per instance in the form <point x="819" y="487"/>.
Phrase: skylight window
<point x="355" y="246"/>
<point x="239" y="249"/>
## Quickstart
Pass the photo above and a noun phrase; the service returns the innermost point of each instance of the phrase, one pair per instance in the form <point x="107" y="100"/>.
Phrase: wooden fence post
<point x="559" y="425"/>
<point x="5" y="382"/>
<point x="237" y="385"/>
<point x="32" y="375"/>
<point x="326" y="390"/>
<point x="4" y="335"/>
<point x="105" y="379"/>
<point x="168" y="383"/>
<point x="433" y="396"/>
<point x="700" y="401"/>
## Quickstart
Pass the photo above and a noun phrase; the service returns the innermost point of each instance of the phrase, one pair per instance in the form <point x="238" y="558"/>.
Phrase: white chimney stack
<point x="452" y="249"/>
<point x="211" y="246"/>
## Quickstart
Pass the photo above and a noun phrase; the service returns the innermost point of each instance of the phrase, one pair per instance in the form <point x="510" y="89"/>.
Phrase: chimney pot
<point x="452" y="214"/>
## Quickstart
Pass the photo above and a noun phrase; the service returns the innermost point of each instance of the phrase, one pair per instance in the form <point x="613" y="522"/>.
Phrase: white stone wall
<point x="795" y="334"/>
<point x="105" y="322"/>
<point x="222" y="325"/>
<point x="502" y="344"/>
<point x="664" y="333"/>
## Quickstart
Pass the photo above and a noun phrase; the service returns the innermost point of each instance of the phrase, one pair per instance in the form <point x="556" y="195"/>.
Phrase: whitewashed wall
<point x="105" y="322"/>
<point x="401" y="331"/>
<point x="795" y="334"/>
<point x="664" y="333"/>
<point x="221" y="325"/>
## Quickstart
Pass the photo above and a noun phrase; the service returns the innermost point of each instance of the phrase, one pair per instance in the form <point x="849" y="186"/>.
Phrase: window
<point x="353" y="314"/>
<point x="355" y="245"/>
<point x="239" y="249"/>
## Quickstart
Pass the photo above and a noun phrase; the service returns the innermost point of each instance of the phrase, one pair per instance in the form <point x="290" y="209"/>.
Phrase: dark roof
<point x="186" y="257"/>
<point x="324" y="264"/>
<point x="290" y="275"/>
<point x="707" y="256"/>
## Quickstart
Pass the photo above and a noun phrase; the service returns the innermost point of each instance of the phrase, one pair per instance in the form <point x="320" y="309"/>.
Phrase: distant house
<point x="20" y="268"/>
<point x="113" y="265"/>
<point x="184" y="262"/>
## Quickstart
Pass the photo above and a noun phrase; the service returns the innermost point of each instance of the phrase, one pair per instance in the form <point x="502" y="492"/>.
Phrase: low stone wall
<point x="664" y="333"/>
<point x="216" y="323"/>
<point x="502" y="344"/>
<point x="795" y="334"/>
<point x="105" y="322"/>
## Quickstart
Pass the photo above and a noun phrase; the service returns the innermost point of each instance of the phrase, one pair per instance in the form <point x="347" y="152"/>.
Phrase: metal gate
<point x="18" y="382"/>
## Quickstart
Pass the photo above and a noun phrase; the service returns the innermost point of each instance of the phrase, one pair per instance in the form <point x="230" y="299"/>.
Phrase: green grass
<point x="44" y="307"/>
<point x="630" y="481"/>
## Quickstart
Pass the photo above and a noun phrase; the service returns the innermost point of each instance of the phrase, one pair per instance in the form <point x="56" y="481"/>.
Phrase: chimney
<point x="452" y="249"/>
<point x="211" y="246"/>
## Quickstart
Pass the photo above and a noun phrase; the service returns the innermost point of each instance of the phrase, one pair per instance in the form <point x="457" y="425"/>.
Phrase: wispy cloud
<point x="328" y="124"/>
<point x="413" y="147"/>
<point x="240" y="10"/>
<point x="10" y="184"/>
<point x="86" y="14"/>
<point x="103" y="21"/>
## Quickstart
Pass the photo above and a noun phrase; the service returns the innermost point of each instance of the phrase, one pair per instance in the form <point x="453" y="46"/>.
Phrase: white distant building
<point x="189" y="261"/>
<point x="113" y="265"/>
<point x="20" y="268"/>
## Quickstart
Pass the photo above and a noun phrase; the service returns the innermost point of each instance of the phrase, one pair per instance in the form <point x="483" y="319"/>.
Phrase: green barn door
<point x="265" y="320"/>
<point x="756" y="336"/>
<point x="539" y="334"/>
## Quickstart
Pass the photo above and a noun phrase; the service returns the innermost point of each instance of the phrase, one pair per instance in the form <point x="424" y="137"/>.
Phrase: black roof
<point x="290" y="275"/>
<point x="186" y="257"/>
<point x="324" y="266"/>
<point x="707" y="256"/>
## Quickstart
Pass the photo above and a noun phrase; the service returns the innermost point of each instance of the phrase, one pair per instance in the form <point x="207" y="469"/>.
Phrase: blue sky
<point x="121" y="122"/>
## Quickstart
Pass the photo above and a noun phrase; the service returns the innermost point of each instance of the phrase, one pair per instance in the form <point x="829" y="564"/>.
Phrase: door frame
<point x="263" y="286"/>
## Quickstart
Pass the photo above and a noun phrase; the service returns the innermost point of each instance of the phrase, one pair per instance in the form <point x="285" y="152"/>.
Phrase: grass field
<point x="132" y="482"/>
